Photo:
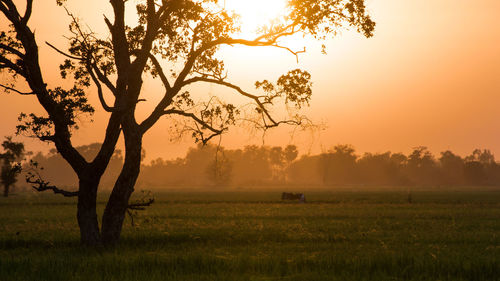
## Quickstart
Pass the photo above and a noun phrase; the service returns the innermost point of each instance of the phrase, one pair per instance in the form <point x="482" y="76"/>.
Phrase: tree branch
<point x="17" y="91"/>
<point x="6" y="63"/>
<point x="239" y="90"/>
<point x="12" y="50"/>
<point x="99" y="90"/>
<point x="104" y="79"/>
<point x="63" y="53"/>
<point x="41" y="185"/>
<point x="10" y="11"/>
<point x="295" y="53"/>
<point x="3" y="8"/>
<point x="279" y="32"/>
<point x="27" y="13"/>
<point x="158" y="111"/>
<point x="195" y="118"/>
<point x="160" y="71"/>
<point x="271" y="42"/>
<point x="193" y="56"/>
<point x="93" y="66"/>
<point x="119" y="39"/>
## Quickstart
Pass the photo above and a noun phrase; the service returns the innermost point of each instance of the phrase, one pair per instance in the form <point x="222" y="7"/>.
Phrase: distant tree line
<point x="215" y="166"/>
<point x="212" y="165"/>
<point x="339" y="166"/>
<point x="55" y="170"/>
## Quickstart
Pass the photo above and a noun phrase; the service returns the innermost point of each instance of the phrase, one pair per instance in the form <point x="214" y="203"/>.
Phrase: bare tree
<point x="168" y="34"/>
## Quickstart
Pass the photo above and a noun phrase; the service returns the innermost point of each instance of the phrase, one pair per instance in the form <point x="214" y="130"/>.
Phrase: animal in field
<point x="293" y="196"/>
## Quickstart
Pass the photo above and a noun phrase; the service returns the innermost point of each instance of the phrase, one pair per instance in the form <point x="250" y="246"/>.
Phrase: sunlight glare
<point x="255" y="13"/>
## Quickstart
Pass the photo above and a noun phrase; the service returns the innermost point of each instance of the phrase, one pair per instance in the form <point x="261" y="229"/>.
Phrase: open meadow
<point x="346" y="233"/>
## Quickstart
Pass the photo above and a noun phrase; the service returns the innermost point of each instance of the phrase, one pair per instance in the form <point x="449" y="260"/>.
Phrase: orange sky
<point x="430" y="76"/>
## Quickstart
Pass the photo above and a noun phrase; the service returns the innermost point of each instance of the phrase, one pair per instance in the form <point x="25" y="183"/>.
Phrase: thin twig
<point x="64" y="53"/>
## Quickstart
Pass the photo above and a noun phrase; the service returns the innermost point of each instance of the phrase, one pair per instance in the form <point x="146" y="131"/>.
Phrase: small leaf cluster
<point x="36" y="126"/>
<point x="218" y="114"/>
<point x="183" y="101"/>
<point x="323" y="17"/>
<point x="71" y="103"/>
<point x="8" y="53"/>
<point x="294" y="87"/>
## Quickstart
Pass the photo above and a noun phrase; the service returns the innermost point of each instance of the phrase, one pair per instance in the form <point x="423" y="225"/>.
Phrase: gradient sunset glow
<point x="429" y="76"/>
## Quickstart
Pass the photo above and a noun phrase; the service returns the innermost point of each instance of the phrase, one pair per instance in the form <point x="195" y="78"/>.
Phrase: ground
<point x="341" y="233"/>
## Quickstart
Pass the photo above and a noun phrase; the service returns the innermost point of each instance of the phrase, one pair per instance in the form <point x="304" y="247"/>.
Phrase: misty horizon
<point x="431" y="82"/>
<point x="219" y="168"/>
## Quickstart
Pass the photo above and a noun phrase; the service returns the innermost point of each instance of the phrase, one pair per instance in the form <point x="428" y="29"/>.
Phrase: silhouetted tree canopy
<point x="175" y="41"/>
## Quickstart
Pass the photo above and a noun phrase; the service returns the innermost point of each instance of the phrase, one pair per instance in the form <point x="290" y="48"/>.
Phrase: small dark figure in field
<point x="293" y="196"/>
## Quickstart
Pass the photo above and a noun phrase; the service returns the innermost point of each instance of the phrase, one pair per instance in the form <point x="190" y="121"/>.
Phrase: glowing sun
<point x="255" y="13"/>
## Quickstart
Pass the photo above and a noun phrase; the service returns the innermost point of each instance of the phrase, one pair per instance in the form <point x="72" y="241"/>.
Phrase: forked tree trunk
<point x="116" y="208"/>
<point x="87" y="213"/>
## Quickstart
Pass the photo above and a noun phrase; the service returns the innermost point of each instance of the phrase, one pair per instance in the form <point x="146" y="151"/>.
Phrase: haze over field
<point x="430" y="76"/>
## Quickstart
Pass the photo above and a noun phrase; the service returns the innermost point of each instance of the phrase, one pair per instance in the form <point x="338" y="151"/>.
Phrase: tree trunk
<point x="87" y="213"/>
<point x="6" y="188"/>
<point x="116" y="208"/>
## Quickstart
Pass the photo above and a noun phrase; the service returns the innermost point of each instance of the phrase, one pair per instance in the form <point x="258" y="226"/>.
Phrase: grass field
<point x="340" y="234"/>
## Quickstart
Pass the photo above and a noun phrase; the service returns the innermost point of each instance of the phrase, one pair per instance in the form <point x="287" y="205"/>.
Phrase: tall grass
<point x="338" y="235"/>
